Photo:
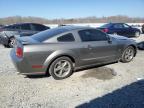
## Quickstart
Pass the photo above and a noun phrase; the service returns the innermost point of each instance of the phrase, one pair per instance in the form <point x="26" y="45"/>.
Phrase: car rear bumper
<point x="23" y="66"/>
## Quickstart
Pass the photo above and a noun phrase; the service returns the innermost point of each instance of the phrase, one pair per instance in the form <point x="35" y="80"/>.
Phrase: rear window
<point x="106" y="25"/>
<point x="9" y="27"/>
<point x="39" y="27"/>
<point x="25" y="27"/>
<point x="44" y="35"/>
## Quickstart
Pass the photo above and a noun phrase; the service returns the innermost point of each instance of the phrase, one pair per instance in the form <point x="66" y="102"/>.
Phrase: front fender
<point x="128" y="43"/>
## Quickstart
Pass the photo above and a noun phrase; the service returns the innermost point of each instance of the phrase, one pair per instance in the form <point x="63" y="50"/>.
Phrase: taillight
<point x="19" y="52"/>
<point x="105" y="30"/>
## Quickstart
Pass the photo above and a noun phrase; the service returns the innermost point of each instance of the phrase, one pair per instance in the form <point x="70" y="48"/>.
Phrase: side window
<point x="66" y="38"/>
<point x="118" y="26"/>
<point x="12" y="27"/>
<point x="85" y="35"/>
<point x="17" y="27"/>
<point x="38" y="27"/>
<point x="92" y="35"/>
<point x="126" y="26"/>
<point x="98" y="35"/>
<point x="25" y="27"/>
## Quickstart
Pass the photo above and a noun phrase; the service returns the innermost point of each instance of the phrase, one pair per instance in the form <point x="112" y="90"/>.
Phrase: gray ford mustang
<point x="61" y="51"/>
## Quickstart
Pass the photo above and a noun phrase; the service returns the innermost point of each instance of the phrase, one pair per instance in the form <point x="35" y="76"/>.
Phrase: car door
<point x="26" y="30"/>
<point x="100" y="49"/>
<point x="128" y="31"/>
<point x="118" y="29"/>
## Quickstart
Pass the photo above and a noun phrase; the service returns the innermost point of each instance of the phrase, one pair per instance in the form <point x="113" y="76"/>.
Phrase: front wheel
<point x="128" y="54"/>
<point x="61" y="68"/>
<point x="142" y="30"/>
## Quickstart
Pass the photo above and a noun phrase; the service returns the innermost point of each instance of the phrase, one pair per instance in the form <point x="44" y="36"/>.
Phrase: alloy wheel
<point x="128" y="54"/>
<point x="62" y="68"/>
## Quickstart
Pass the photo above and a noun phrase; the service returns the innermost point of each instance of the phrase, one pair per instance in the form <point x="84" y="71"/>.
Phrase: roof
<point x="116" y="23"/>
<point x="71" y="27"/>
<point x="21" y="23"/>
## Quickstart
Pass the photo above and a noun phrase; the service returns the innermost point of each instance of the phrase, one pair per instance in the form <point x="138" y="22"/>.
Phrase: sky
<point x="52" y="9"/>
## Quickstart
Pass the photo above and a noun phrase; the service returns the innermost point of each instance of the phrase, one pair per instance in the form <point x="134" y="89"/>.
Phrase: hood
<point x="27" y="40"/>
<point x="119" y="37"/>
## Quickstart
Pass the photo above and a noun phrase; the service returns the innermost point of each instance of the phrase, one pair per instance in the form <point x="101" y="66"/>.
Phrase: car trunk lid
<point x="21" y="42"/>
<point x="26" y="40"/>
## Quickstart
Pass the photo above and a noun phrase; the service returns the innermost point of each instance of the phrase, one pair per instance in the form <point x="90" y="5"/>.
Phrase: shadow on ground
<point x="131" y="96"/>
<point x="101" y="73"/>
<point x="36" y="76"/>
<point x="140" y="45"/>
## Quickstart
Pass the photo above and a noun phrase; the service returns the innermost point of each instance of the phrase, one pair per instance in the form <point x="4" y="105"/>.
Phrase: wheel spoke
<point x="62" y="68"/>
<point x="66" y="69"/>
<point x="60" y="63"/>
<point x="129" y="54"/>
<point x="61" y="72"/>
<point x="57" y="69"/>
<point x="64" y="64"/>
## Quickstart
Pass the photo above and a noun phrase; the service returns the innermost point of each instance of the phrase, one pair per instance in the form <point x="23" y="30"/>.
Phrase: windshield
<point x="44" y="35"/>
<point x="106" y="25"/>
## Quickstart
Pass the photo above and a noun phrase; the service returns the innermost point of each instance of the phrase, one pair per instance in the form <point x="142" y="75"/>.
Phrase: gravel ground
<point x="119" y="85"/>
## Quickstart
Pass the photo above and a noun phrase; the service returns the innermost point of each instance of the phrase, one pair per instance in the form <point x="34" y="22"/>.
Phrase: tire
<point x="137" y="34"/>
<point x="143" y="31"/>
<point x="61" y="68"/>
<point x="6" y="46"/>
<point x="128" y="54"/>
<point x="115" y="34"/>
<point x="12" y="42"/>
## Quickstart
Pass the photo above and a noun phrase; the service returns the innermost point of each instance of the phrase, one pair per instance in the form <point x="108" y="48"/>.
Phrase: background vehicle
<point x="120" y="29"/>
<point x="1" y="26"/>
<point x="62" y="50"/>
<point x="7" y="33"/>
<point x="143" y="28"/>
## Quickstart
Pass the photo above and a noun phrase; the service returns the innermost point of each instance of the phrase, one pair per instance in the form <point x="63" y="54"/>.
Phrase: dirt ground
<point x="118" y="85"/>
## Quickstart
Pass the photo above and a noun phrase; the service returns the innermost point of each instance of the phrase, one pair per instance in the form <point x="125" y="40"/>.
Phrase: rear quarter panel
<point x="44" y="53"/>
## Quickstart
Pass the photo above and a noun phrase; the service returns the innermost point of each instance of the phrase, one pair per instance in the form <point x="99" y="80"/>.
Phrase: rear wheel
<point x="137" y="34"/>
<point x="61" y="68"/>
<point x="128" y="54"/>
<point x="12" y="42"/>
<point x="114" y="33"/>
